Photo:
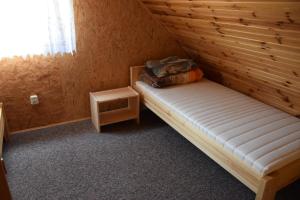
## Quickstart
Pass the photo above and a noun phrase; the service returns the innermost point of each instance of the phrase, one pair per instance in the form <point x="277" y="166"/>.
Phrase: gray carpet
<point x="126" y="161"/>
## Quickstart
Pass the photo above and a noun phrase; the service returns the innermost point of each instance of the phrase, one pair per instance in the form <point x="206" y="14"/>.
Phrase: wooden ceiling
<point x="254" y="45"/>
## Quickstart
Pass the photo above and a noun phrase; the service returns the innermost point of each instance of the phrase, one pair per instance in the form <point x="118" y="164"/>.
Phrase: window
<point x="36" y="27"/>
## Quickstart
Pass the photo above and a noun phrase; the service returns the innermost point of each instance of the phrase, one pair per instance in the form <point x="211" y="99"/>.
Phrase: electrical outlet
<point x="34" y="99"/>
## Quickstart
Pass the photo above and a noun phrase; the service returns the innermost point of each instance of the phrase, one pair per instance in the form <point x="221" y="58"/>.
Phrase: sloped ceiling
<point x="253" y="45"/>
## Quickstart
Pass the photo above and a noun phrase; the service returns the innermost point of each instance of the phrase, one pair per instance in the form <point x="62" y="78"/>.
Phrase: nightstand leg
<point x="134" y="104"/>
<point x="95" y="113"/>
<point x="138" y="110"/>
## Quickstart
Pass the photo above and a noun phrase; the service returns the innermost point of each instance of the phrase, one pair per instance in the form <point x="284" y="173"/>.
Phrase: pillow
<point x="187" y="77"/>
<point x="170" y="66"/>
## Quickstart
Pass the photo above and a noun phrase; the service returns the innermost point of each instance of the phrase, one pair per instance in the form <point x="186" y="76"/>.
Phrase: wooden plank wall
<point x="254" y="45"/>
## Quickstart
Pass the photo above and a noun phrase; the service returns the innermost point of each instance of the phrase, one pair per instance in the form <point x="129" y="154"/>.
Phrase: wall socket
<point x="34" y="99"/>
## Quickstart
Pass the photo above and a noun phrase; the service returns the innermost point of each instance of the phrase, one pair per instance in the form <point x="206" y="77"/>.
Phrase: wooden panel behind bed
<point x="252" y="45"/>
<point x="264" y="187"/>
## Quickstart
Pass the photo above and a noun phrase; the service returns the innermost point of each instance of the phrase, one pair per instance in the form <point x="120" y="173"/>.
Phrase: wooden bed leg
<point x="267" y="189"/>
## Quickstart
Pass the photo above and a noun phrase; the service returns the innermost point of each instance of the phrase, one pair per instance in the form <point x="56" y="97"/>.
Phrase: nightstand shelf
<point x="104" y="118"/>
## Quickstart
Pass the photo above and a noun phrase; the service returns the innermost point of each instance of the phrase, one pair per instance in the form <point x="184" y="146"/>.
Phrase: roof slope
<point x="254" y="45"/>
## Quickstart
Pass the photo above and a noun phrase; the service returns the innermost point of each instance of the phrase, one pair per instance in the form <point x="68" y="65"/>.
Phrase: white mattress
<point x="263" y="137"/>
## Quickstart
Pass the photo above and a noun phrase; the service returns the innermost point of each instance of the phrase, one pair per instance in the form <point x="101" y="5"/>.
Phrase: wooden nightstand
<point x="104" y="118"/>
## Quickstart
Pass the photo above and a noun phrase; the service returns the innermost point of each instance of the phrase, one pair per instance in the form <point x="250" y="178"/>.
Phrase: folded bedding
<point x="170" y="71"/>
<point x="170" y="66"/>
<point x="262" y="136"/>
<point x="181" y="78"/>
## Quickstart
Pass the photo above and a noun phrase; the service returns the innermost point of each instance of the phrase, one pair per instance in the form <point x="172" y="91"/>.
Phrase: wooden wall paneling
<point x="251" y="72"/>
<point x="280" y="81"/>
<point x="253" y="45"/>
<point x="251" y="40"/>
<point x="284" y="14"/>
<point x="288" y="50"/>
<point x="254" y="63"/>
<point x="282" y="99"/>
<point x="234" y="46"/>
<point x="278" y="97"/>
<point x="190" y="22"/>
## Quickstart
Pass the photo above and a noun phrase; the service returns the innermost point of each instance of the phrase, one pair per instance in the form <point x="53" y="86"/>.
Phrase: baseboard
<point x="49" y="126"/>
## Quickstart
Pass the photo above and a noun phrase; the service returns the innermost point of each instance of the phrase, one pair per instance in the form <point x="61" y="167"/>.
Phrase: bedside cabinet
<point x="132" y="111"/>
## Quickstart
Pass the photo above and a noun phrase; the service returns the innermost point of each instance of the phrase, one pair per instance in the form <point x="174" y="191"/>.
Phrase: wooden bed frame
<point x="265" y="187"/>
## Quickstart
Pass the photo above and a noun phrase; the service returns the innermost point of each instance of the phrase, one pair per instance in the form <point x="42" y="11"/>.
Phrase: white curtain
<point x="36" y="27"/>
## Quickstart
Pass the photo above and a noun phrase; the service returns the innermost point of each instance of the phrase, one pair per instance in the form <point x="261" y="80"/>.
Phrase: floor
<point x="126" y="161"/>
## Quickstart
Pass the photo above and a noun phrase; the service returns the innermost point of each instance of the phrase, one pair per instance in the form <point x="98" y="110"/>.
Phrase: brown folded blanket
<point x="170" y="66"/>
<point x="187" y="77"/>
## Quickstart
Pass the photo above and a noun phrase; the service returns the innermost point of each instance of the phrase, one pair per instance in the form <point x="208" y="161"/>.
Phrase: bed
<point x="256" y="143"/>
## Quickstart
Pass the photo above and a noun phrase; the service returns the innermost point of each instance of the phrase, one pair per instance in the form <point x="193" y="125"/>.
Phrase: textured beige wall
<point x="111" y="36"/>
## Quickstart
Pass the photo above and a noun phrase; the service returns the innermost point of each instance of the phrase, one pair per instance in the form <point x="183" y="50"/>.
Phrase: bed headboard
<point x="135" y="72"/>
